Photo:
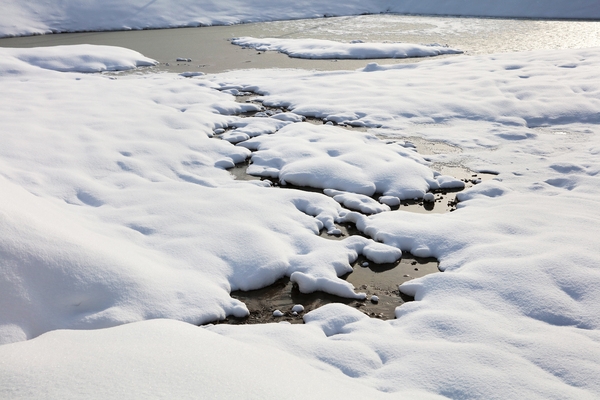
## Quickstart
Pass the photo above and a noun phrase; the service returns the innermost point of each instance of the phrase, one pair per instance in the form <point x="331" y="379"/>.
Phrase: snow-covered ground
<point x="47" y="16"/>
<point x="116" y="209"/>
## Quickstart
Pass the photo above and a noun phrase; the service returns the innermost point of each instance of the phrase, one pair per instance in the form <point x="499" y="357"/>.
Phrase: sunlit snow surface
<point x="115" y="208"/>
<point x="80" y="58"/>
<point x="327" y="49"/>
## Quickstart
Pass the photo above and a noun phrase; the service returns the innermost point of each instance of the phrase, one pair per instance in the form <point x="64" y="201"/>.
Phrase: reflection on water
<point x="210" y="50"/>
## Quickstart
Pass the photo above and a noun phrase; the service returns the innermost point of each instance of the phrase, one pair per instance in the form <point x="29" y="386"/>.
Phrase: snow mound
<point x="328" y="157"/>
<point x="246" y="128"/>
<point x="333" y="318"/>
<point x="309" y="284"/>
<point x="327" y="49"/>
<point x="80" y="58"/>
<point x="357" y="202"/>
<point x="485" y="189"/>
<point x="180" y="360"/>
<point x="288" y="116"/>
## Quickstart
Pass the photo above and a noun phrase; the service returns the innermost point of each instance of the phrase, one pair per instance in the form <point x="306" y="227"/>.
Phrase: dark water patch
<point x="346" y="229"/>
<point x="379" y="280"/>
<point x="240" y="172"/>
<point x="382" y="281"/>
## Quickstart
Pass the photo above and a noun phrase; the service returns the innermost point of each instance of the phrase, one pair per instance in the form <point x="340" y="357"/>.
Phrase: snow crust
<point x="328" y="49"/>
<point x="115" y="208"/>
<point x="46" y="16"/>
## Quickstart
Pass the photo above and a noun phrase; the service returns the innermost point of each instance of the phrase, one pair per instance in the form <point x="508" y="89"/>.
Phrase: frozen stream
<point x="211" y="52"/>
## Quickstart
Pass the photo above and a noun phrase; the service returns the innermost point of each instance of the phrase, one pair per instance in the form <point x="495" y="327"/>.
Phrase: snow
<point x="289" y="117"/>
<point x="80" y="58"/>
<point x="429" y="197"/>
<point x="103" y="200"/>
<point x="254" y="126"/>
<point x="329" y="157"/>
<point x="505" y="89"/>
<point x="278" y="313"/>
<point x="327" y="49"/>
<point x="358" y="202"/>
<point x="116" y="210"/>
<point x="298" y="308"/>
<point x="194" y="363"/>
<point x="46" y="16"/>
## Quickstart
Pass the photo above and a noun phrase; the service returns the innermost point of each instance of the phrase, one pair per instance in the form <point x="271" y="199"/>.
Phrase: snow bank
<point x="163" y="358"/>
<point x="327" y="49"/>
<point x="513" y="91"/>
<point x="116" y="208"/>
<point x="80" y="58"/>
<point x="45" y="16"/>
